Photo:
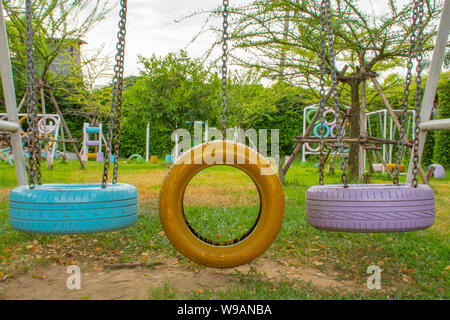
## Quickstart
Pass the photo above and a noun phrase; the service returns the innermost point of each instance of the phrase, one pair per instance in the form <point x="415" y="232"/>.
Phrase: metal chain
<point x="418" y="102"/>
<point x="413" y="38"/>
<point x="223" y="118"/>
<point x="34" y="161"/>
<point x="334" y="87"/>
<point x="116" y="100"/>
<point x="322" y="91"/>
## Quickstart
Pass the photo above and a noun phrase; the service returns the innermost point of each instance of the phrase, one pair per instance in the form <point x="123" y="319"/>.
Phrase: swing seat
<point x="370" y="208"/>
<point x="73" y="208"/>
<point x="208" y="252"/>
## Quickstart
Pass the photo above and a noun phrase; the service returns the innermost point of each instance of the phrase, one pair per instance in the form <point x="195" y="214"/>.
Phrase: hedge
<point x="442" y="138"/>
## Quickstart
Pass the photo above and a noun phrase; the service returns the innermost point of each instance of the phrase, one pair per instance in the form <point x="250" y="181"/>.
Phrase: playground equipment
<point x="382" y="122"/>
<point x="136" y="157"/>
<point x="437" y="171"/>
<point x="178" y="230"/>
<point x="63" y="208"/>
<point x="372" y="208"/>
<point x="49" y="124"/>
<point x="366" y="142"/>
<point x="328" y="126"/>
<point x="97" y="131"/>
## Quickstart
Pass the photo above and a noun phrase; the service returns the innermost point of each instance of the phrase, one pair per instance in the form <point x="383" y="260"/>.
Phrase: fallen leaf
<point x="161" y="234"/>
<point x="7" y="250"/>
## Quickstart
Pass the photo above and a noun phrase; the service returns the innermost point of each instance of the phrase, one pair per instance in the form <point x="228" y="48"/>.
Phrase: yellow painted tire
<point x="231" y="253"/>
<point x="20" y="125"/>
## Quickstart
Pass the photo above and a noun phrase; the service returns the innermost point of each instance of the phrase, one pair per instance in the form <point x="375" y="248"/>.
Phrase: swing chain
<point x="116" y="100"/>
<point x="322" y="91"/>
<point x="223" y="118"/>
<point x="327" y="23"/>
<point x="418" y="100"/>
<point x="34" y="161"/>
<point x="415" y="37"/>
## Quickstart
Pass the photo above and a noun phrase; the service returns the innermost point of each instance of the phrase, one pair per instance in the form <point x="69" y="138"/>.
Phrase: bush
<point x="442" y="138"/>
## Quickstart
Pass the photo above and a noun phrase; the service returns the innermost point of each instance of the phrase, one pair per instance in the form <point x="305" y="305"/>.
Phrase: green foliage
<point x="287" y="116"/>
<point x="428" y="150"/>
<point x="173" y="90"/>
<point x="442" y="138"/>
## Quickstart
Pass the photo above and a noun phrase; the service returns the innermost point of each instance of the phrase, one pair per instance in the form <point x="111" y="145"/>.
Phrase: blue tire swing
<point x="73" y="208"/>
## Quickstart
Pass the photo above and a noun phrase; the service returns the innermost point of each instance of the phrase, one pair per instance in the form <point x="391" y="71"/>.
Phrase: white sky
<point x="151" y="28"/>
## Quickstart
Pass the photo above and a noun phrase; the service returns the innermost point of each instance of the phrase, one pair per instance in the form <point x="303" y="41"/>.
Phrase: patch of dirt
<point x="4" y="194"/>
<point x="127" y="284"/>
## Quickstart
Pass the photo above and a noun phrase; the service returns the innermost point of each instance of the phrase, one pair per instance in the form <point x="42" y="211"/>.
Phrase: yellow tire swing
<point x="252" y="243"/>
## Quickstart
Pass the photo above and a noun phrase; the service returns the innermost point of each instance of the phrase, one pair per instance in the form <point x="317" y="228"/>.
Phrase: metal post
<point x="11" y="103"/>
<point x="147" y="142"/>
<point x="384" y="136"/>
<point x="432" y="81"/>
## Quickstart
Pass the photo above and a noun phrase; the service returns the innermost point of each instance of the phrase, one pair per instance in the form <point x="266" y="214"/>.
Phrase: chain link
<point x="223" y="118"/>
<point x="418" y="102"/>
<point x="116" y="101"/>
<point x="327" y="23"/>
<point x="416" y="36"/>
<point x="34" y="161"/>
<point x="322" y="91"/>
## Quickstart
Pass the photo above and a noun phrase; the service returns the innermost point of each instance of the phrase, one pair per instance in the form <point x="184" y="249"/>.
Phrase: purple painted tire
<point x="439" y="171"/>
<point x="370" y="208"/>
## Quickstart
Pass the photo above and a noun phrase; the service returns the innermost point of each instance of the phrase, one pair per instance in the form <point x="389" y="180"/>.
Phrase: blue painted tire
<point x="326" y="128"/>
<point x="73" y="208"/>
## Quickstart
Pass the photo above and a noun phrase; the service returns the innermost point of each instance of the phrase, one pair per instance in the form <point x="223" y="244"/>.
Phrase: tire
<point x="72" y="208"/>
<point x="439" y="171"/>
<point x="326" y="128"/>
<point x="370" y="208"/>
<point x="227" y="253"/>
<point x="310" y="114"/>
<point x="311" y="149"/>
<point x="329" y="123"/>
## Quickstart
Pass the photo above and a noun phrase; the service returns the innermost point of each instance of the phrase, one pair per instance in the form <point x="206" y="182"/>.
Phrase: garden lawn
<point x="415" y="264"/>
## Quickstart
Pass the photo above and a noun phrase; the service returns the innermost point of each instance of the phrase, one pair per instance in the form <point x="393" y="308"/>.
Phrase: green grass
<point x="415" y="264"/>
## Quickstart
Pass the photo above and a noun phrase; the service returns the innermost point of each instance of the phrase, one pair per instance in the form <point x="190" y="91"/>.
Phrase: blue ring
<point x="316" y="128"/>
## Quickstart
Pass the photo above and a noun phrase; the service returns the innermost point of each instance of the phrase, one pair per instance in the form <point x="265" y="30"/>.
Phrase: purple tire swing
<point x="363" y="207"/>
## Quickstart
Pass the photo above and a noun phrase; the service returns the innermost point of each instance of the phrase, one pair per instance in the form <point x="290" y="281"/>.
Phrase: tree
<point x="369" y="45"/>
<point x="173" y="90"/>
<point x="59" y="26"/>
<point x="84" y="97"/>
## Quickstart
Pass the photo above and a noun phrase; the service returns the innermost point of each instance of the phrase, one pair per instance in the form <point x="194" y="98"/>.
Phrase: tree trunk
<point x="354" y="130"/>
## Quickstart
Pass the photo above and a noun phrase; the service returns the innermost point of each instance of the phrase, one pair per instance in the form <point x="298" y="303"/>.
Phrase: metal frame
<point x="11" y="104"/>
<point x="383" y="117"/>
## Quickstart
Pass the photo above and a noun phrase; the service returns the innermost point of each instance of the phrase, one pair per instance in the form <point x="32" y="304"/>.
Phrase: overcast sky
<point x="151" y="28"/>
